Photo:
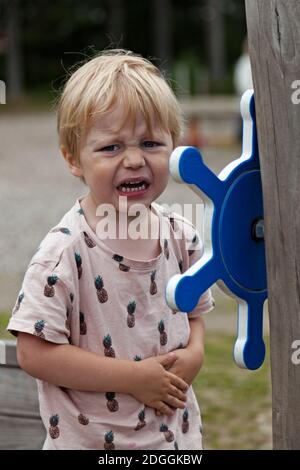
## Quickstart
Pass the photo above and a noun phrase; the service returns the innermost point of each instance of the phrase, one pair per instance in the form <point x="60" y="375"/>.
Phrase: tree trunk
<point x="274" y="44"/>
<point x="162" y="31"/>
<point x="216" y="40"/>
<point x="116" y="28"/>
<point x="14" y="54"/>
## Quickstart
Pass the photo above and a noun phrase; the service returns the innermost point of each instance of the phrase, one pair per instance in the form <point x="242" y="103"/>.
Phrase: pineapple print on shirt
<point x="83" y="420"/>
<point x="153" y="285"/>
<point x="142" y="423"/>
<point x="166" y="249"/>
<point x="101" y="292"/>
<point x="185" y="423"/>
<point x="169" y="435"/>
<point x="82" y="324"/>
<point x="54" y="429"/>
<point x="130" y="317"/>
<point x="88" y="240"/>
<point x="63" y="230"/>
<point x="19" y="301"/>
<point x="119" y="260"/>
<point x="118" y="326"/>
<point x="109" y="441"/>
<point x="108" y="349"/>
<point x="49" y="287"/>
<point x="78" y="264"/>
<point x="38" y="328"/>
<point x="112" y="403"/>
<point x="69" y="312"/>
<point x="180" y="265"/>
<point x="163" y="334"/>
<point x="194" y="241"/>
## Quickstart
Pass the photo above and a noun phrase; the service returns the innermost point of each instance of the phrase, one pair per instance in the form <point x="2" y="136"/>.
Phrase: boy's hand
<point x="157" y="387"/>
<point x="186" y="366"/>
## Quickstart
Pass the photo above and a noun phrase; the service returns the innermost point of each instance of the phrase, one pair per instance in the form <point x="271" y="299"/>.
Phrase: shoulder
<point x="61" y="239"/>
<point x="182" y="228"/>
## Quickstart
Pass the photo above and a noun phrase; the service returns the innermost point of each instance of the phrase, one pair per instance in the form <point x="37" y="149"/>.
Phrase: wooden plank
<point x="274" y="43"/>
<point x="8" y="352"/>
<point x="18" y="393"/>
<point x="20" y="424"/>
<point x="21" y="433"/>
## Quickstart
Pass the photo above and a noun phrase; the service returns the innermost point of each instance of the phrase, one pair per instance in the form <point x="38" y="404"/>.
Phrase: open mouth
<point x="130" y="187"/>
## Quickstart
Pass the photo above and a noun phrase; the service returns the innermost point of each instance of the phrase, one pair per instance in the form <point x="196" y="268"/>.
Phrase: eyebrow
<point x="113" y="136"/>
<point x="95" y="141"/>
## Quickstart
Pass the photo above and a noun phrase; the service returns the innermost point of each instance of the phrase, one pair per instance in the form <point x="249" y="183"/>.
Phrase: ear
<point x="73" y="163"/>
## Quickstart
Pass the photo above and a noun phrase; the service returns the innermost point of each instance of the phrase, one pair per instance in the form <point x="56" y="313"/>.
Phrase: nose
<point x="134" y="158"/>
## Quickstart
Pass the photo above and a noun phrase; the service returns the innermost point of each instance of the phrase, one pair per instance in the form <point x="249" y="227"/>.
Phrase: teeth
<point x="131" y="182"/>
<point x="130" y="190"/>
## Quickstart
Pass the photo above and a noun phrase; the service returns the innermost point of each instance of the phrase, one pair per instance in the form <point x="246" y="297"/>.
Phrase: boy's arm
<point x="75" y="368"/>
<point x="196" y="341"/>
<point x="190" y="359"/>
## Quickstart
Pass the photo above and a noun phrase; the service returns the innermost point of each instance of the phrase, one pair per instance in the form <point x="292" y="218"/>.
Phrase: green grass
<point x="4" y="317"/>
<point x="235" y="403"/>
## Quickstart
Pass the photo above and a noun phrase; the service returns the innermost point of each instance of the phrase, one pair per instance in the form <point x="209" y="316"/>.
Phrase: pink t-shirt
<point x="77" y="290"/>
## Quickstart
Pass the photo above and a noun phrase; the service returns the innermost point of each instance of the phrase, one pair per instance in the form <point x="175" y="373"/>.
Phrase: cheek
<point x="99" y="172"/>
<point x="162" y="173"/>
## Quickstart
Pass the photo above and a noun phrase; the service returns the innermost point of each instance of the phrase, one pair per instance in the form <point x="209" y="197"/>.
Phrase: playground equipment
<point x="236" y="257"/>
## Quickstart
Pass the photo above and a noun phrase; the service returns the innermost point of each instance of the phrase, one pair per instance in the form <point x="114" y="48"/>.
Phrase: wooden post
<point x="21" y="426"/>
<point x="116" y="21"/>
<point x="14" y="54"/>
<point x="216" y="40"/>
<point x="274" y="44"/>
<point x="162" y="31"/>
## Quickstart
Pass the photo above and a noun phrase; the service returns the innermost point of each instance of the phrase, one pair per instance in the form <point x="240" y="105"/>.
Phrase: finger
<point x="166" y="360"/>
<point x="178" y="393"/>
<point x="179" y="383"/>
<point x="164" y="409"/>
<point x="175" y="402"/>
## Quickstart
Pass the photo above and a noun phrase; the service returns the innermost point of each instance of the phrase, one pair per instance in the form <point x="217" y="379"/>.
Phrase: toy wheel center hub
<point x="241" y="232"/>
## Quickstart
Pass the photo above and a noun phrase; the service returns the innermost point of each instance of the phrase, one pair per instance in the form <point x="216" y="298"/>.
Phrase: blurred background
<point x="200" y="45"/>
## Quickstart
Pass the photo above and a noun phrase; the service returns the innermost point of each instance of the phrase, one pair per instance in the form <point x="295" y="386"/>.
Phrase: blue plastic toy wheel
<point x="236" y="258"/>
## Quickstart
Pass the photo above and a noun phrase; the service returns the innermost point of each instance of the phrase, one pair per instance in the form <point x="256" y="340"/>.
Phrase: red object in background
<point x="193" y="135"/>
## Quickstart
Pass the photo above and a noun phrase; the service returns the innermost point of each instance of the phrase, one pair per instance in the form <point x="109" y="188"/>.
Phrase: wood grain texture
<point x="274" y="43"/>
<point x="20" y="424"/>
<point x="21" y="433"/>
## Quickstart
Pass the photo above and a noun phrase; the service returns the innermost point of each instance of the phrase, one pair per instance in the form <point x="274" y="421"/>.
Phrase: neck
<point x="121" y="220"/>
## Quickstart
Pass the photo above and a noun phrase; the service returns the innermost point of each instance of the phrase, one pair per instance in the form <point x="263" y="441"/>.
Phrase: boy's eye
<point x="109" y="148"/>
<point x="150" y="144"/>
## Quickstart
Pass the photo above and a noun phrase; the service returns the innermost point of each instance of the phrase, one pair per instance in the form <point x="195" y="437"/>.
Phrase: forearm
<point x="197" y="333"/>
<point x="72" y="367"/>
<point x="190" y="358"/>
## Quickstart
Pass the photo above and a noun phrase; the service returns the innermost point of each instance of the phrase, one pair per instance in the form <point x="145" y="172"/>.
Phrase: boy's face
<point x="111" y="155"/>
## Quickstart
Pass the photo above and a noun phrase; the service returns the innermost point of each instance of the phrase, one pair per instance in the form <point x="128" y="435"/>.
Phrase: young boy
<point x="114" y="363"/>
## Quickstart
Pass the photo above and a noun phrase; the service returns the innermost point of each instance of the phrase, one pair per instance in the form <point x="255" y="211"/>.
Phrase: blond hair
<point x="112" y="77"/>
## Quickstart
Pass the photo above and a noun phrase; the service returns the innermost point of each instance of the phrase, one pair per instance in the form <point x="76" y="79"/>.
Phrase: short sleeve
<point x="42" y="306"/>
<point x="195" y="249"/>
